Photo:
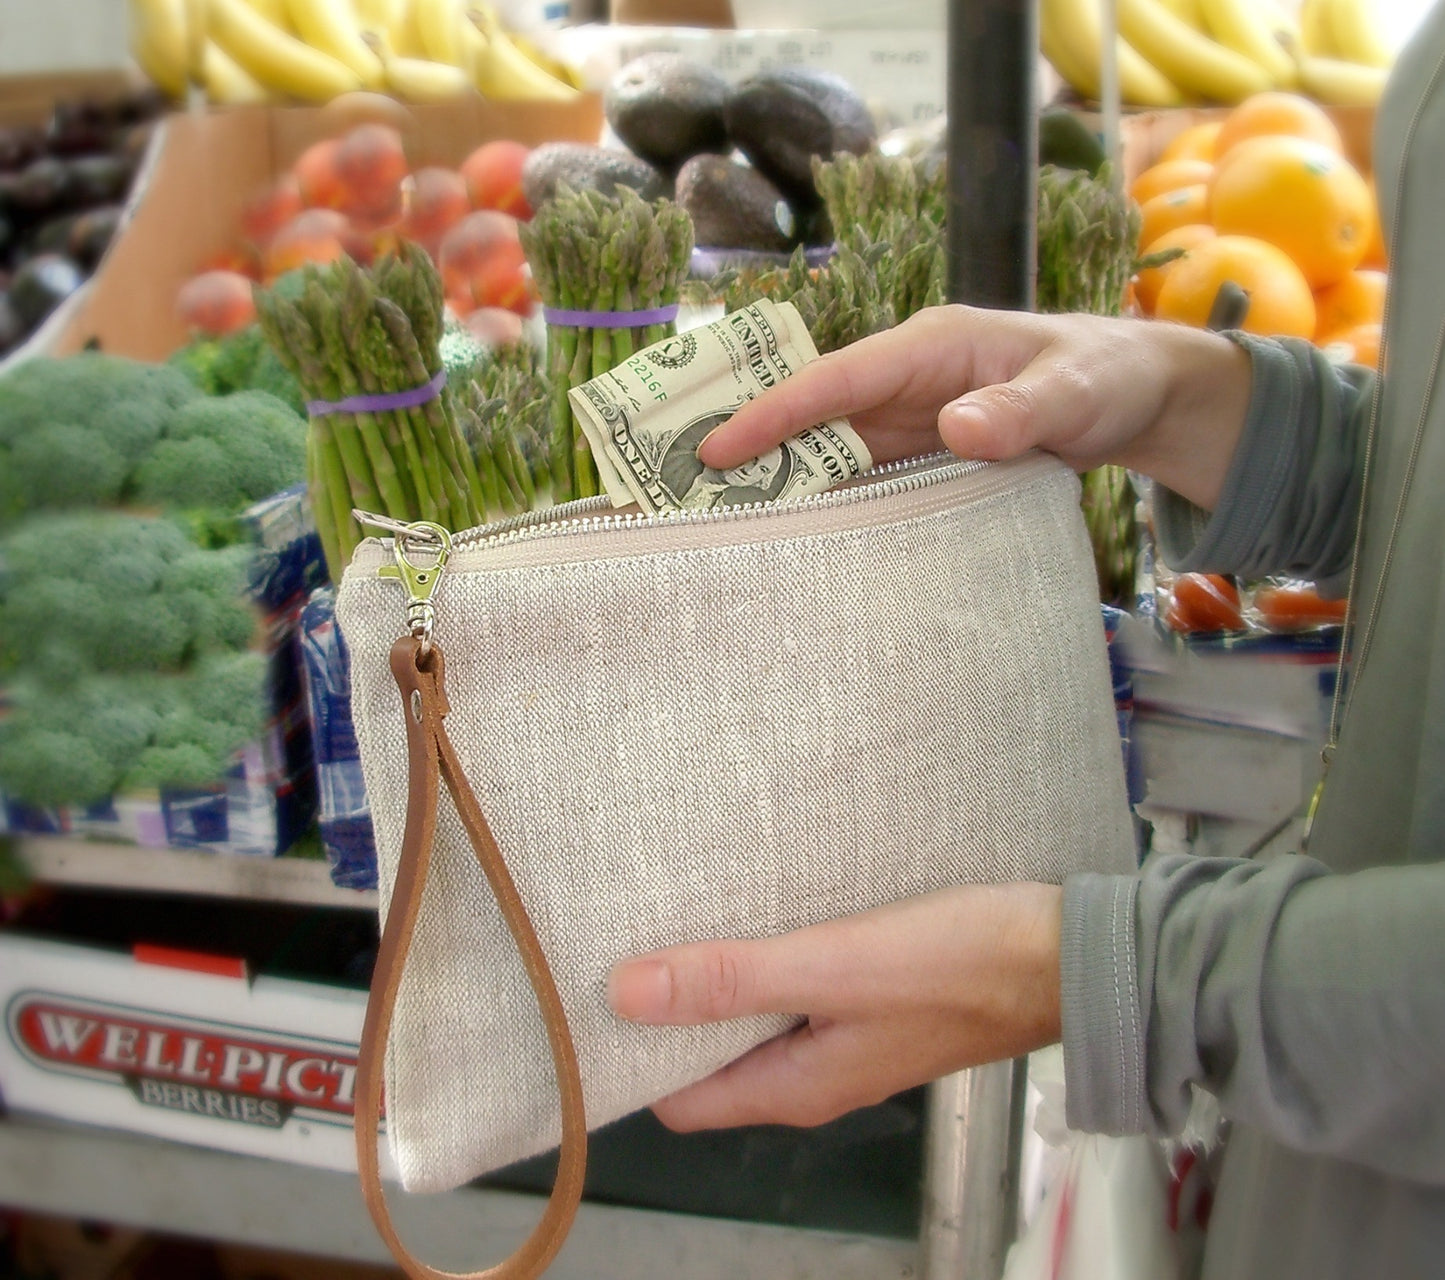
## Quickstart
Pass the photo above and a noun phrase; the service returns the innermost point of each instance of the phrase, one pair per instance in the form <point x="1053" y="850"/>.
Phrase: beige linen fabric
<point x="717" y="741"/>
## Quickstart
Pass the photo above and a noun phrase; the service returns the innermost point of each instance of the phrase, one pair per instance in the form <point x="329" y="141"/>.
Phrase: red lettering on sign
<point x="69" y="1034"/>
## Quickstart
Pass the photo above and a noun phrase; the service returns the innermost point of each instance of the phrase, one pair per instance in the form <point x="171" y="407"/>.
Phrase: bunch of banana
<point x="1173" y="51"/>
<point x="1343" y="54"/>
<point x="467" y="35"/>
<point x="434" y="45"/>
<point x="244" y="51"/>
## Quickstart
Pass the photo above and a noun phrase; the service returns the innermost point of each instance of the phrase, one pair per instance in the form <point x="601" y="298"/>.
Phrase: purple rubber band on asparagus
<point x="382" y="401"/>
<point x="609" y="319"/>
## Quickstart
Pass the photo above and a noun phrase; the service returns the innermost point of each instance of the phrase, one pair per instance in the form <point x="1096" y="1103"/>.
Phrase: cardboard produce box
<point x="29" y="99"/>
<point x="671" y="13"/>
<point x="205" y="166"/>
<point x="182" y="1046"/>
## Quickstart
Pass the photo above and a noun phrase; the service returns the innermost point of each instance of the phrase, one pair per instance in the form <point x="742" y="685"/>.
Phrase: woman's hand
<point x="1164" y="399"/>
<point x="893" y="997"/>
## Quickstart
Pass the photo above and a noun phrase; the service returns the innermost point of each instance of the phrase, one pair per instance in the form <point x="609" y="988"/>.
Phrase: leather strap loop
<point x="420" y="676"/>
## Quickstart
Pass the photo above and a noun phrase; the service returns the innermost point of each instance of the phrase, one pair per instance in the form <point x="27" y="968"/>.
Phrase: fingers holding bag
<point x="892" y="997"/>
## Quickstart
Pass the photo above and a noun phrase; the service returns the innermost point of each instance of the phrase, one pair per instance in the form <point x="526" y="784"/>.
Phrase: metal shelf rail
<point x="70" y="1171"/>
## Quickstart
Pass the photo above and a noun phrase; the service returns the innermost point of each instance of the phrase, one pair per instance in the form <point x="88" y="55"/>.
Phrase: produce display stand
<point x="974" y="1120"/>
<point x="80" y="1171"/>
<point x="59" y="860"/>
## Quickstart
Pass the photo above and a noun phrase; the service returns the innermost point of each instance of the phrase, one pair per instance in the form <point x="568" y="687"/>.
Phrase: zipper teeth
<point x="576" y="518"/>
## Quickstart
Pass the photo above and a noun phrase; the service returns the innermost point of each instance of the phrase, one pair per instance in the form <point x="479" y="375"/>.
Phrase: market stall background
<point x="1222" y="710"/>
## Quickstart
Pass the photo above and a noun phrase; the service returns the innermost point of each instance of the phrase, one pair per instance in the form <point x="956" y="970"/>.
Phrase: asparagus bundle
<point x="1088" y="242"/>
<point x="504" y="412"/>
<point x="887" y="215"/>
<point x="350" y="333"/>
<point x="839" y="303"/>
<point x="900" y="202"/>
<point x="609" y="254"/>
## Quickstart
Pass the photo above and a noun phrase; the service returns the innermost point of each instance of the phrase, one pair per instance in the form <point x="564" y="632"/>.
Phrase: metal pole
<point x="1109" y="78"/>
<point x="971" y="1172"/>
<point x="992" y="152"/>
<point x="975" y="1118"/>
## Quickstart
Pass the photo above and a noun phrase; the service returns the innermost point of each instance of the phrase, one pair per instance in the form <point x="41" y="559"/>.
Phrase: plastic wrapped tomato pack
<point x="1212" y="604"/>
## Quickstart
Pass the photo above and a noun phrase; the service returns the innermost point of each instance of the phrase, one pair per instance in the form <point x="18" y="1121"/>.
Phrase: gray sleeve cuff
<point x="1295" y="468"/>
<point x="1103" y="1027"/>
<point x="1192" y="539"/>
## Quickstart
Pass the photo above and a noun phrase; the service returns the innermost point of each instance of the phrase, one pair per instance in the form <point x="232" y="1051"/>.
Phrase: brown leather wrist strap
<point x="420" y="677"/>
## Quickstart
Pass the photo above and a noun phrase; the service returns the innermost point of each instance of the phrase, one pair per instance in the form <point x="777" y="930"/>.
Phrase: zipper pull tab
<point x="421" y="550"/>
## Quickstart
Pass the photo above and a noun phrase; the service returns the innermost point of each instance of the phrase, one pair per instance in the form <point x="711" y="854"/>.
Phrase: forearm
<point x="1309" y="1003"/>
<point x="1205" y="399"/>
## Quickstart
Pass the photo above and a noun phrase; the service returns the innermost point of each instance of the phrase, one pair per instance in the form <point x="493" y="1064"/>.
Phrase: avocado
<point x="666" y="107"/>
<point x="733" y="206"/>
<point x="1067" y="142"/>
<point x="41" y="285"/>
<point x="584" y="166"/>
<point x="781" y="119"/>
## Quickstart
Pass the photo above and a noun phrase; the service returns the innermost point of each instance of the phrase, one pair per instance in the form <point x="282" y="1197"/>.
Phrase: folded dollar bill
<point x="645" y="419"/>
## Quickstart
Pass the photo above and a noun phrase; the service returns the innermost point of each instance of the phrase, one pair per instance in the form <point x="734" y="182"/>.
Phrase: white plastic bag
<point x="1130" y="1208"/>
<point x="1106" y="1217"/>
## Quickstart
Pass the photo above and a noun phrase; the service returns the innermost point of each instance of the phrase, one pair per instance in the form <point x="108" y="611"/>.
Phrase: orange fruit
<point x="1358" y="298"/>
<point x="1168" y="175"/>
<point x="1194" y="142"/>
<point x="1170" y="209"/>
<point x="1150" y="280"/>
<point x="1274" y="112"/>
<point x="1280" y="301"/>
<point x="1359" y="345"/>
<point x="1300" y="196"/>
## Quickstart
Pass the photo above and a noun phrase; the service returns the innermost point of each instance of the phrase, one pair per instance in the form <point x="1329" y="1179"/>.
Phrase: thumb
<point x="697" y="983"/>
<point x="1043" y="406"/>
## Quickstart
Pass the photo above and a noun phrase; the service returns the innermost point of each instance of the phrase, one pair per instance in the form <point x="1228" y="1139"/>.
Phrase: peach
<point x="494" y="326"/>
<point x="481" y="257"/>
<point x="269" y="210"/>
<point x="243" y="259"/>
<point x="436" y="200"/>
<point x="314" y="235"/>
<point x="371" y="164"/>
<point x="493" y="174"/>
<point x="318" y="180"/>
<point x="216" y="302"/>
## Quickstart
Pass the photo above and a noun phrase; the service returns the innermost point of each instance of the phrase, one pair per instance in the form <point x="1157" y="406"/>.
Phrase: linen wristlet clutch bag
<point x="659" y="729"/>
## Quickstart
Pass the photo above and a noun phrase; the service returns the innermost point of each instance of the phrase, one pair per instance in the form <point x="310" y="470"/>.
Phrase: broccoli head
<point x="89" y="738"/>
<point x="239" y="361"/>
<point x="93" y="591"/>
<point x="198" y="360"/>
<point x="222" y="453"/>
<point x="73" y="428"/>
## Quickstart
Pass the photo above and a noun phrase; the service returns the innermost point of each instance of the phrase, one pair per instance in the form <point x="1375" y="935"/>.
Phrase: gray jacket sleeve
<point x="1271" y="985"/>
<point x="1294" y="483"/>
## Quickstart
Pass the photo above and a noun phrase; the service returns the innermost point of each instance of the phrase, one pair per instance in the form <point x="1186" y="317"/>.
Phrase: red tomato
<point x="1296" y="606"/>
<point x="1204" y="602"/>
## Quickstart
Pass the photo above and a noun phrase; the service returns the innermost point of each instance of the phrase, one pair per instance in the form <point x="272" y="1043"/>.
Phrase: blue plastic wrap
<point x="344" y="816"/>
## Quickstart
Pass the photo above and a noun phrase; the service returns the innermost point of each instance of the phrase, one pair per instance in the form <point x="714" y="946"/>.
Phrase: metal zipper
<point x="420" y="550"/>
